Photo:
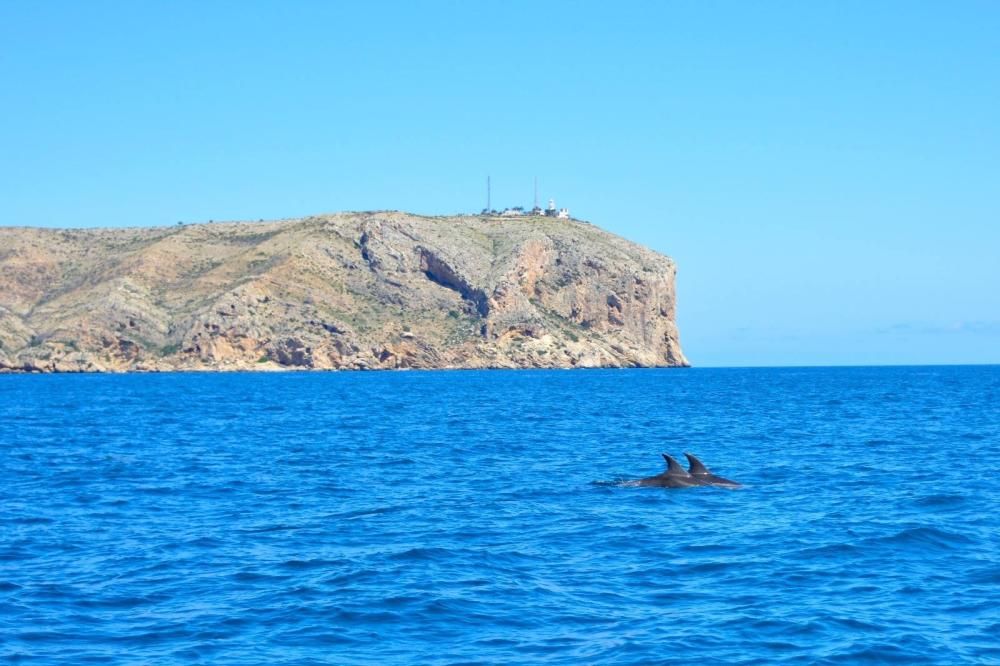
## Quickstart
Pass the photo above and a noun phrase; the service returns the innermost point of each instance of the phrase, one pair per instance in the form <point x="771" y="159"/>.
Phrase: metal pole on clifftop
<point x="488" y="195"/>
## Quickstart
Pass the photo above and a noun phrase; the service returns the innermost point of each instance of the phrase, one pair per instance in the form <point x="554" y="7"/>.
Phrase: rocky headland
<point x="343" y="291"/>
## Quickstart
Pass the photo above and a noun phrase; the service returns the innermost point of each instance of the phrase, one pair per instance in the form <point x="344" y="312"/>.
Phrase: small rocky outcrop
<point x="344" y="291"/>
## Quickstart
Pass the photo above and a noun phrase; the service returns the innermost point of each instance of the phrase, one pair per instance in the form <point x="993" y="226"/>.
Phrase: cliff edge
<point x="349" y="290"/>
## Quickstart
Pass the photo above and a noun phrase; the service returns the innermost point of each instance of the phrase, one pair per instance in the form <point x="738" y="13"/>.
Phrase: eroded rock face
<point x="351" y="290"/>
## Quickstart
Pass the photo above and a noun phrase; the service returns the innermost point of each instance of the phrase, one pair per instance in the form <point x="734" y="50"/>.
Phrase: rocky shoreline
<point x="359" y="291"/>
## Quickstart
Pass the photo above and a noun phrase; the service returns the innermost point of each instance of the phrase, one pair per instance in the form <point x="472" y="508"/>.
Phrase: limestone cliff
<point x="350" y="290"/>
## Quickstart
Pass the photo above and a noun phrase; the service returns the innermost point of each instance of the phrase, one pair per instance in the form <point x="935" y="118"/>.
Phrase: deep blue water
<point x="441" y="517"/>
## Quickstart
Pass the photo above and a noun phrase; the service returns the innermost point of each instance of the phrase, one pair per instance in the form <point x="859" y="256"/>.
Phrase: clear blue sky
<point x="826" y="175"/>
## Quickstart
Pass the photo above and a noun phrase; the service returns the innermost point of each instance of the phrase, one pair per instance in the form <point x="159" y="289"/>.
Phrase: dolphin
<point x="674" y="477"/>
<point x="704" y="477"/>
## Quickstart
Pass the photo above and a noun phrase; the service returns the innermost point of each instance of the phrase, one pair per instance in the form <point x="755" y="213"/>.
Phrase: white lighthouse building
<point x="552" y="211"/>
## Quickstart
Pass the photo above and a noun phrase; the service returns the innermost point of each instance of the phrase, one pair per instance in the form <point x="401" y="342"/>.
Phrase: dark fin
<point x="674" y="467"/>
<point x="696" y="466"/>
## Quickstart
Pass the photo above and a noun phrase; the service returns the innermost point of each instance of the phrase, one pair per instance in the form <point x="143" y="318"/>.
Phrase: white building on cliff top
<point x="551" y="211"/>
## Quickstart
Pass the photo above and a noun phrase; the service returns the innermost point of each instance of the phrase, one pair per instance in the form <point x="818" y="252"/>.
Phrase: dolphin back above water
<point x="698" y="470"/>
<point x="675" y="476"/>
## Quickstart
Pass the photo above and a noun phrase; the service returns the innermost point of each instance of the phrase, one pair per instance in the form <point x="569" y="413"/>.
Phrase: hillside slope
<point x="350" y="290"/>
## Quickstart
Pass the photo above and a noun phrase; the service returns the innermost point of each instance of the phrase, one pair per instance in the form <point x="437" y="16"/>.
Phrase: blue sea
<point x="483" y="517"/>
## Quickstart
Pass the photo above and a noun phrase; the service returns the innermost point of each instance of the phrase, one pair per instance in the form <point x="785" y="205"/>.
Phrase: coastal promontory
<point x="374" y="290"/>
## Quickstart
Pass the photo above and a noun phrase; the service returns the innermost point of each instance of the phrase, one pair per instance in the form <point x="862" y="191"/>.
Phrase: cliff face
<point x="352" y="290"/>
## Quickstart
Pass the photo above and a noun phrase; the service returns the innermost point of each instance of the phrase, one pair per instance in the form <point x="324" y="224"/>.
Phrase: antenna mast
<point x="536" y="192"/>
<point x="488" y="194"/>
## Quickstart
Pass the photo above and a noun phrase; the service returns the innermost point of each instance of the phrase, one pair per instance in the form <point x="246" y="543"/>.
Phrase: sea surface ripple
<point x="480" y="517"/>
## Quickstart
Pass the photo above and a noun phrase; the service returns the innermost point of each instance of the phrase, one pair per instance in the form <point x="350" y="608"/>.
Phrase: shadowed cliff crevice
<point x="367" y="254"/>
<point x="439" y="272"/>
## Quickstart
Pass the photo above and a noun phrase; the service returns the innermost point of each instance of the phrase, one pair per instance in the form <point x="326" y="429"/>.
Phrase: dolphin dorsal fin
<point x="674" y="467"/>
<point x="696" y="466"/>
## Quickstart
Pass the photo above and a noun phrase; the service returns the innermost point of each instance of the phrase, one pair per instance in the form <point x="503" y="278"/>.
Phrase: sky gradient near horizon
<point x="826" y="175"/>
